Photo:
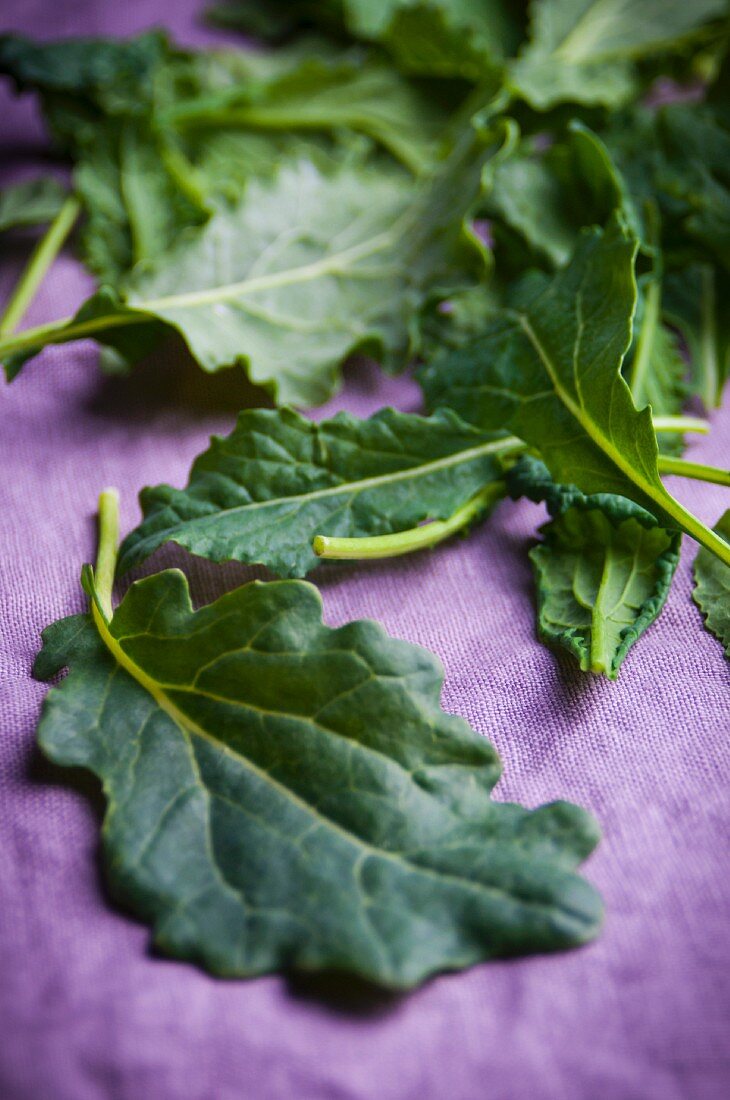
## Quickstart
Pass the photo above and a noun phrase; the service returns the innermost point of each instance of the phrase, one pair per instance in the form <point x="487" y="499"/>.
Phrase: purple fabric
<point x="87" y="1013"/>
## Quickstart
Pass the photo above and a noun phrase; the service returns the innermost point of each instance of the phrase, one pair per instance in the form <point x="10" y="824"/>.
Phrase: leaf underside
<point x="285" y="795"/>
<point x="603" y="570"/>
<point x="712" y="588"/>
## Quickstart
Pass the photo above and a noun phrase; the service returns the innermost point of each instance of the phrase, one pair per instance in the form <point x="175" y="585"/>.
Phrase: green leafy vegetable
<point x="460" y="38"/>
<point x="549" y="370"/>
<point x="712" y="588"/>
<point x="321" y="94"/>
<point x="262" y="493"/>
<point x="603" y="569"/>
<point x="33" y="203"/>
<point x="693" y="303"/>
<point x="282" y="794"/>
<point x="310" y="267"/>
<point x="584" y="51"/>
<point x="547" y="197"/>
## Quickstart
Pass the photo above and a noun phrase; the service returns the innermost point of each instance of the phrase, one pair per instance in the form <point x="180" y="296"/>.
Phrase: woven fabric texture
<point x="88" y="1013"/>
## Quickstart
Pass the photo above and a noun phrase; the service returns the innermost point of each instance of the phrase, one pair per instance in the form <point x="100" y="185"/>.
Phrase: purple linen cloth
<point x="87" y="1013"/>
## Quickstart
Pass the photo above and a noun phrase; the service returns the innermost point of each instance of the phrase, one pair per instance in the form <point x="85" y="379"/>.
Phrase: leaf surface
<point x="550" y="371"/>
<point x="307" y="269"/>
<point x="285" y="795"/>
<point x="262" y="493"/>
<point x="582" y="51"/>
<point x="603" y="570"/>
<point x="712" y="588"/>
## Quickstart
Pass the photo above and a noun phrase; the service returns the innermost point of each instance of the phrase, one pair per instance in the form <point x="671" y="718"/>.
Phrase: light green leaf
<point x="136" y="207"/>
<point x="603" y="570"/>
<point x="694" y="302"/>
<point x="712" y="588"/>
<point x="549" y="369"/>
<point x="262" y="493"/>
<point x="321" y="95"/>
<point x="583" y="51"/>
<point x="33" y="203"/>
<point x="308" y="268"/>
<point x="656" y="368"/>
<point x="283" y="795"/>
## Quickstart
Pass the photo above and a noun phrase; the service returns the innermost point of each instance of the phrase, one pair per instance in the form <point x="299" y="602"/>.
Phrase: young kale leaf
<point x="603" y="570"/>
<point x="549" y="369"/>
<point x="712" y="588"/>
<point x="547" y="197"/>
<point x="308" y="268"/>
<point x="286" y="795"/>
<point x="584" y="51"/>
<point x="265" y="491"/>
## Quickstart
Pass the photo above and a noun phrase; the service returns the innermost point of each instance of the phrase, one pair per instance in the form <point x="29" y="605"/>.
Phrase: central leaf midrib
<point x="591" y="429"/>
<point x="354" y="487"/>
<point x="187" y="726"/>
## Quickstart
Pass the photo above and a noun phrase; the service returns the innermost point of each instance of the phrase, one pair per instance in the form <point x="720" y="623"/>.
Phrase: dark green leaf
<point x="548" y="197"/>
<point x="712" y="588"/>
<point x="603" y="570"/>
<point x="105" y="74"/>
<point x="694" y="302"/>
<point x="285" y="795"/>
<point x="453" y="38"/>
<point x="262" y="493"/>
<point x="550" y="371"/>
<point x="33" y="203"/>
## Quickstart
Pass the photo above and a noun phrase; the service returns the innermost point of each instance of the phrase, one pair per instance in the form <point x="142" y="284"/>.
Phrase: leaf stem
<point x="40" y="260"/>
<point x="106" y="559"/>
<point x="416" y="538"/>
<point x="666" y="425"/>
<point x="680" y="466"/>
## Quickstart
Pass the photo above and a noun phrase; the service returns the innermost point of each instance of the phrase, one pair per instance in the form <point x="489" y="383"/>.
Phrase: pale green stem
<point x="711" y="395"/>
<point x="642" y="357"/>
<point x="665" y="425"/>
<point x="106" y="560"/>
<point x="416" y="538"/>
<point x="680" y="466"/>
<point x="41" y="259"/>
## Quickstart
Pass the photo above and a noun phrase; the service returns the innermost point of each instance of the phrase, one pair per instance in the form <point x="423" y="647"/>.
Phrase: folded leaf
<point x="549" y="369"/>
<point x="583" y="51"/>
<point x="33" y="203"/>
<point x="284" y="795"/>
<point x="315" y="94"/>
<point x="712" y="588"/>
<point x="603" y="570"/>
<point x="310" y="267"/>
<point x="262" y="493"/>
<point x="547" y="197"/>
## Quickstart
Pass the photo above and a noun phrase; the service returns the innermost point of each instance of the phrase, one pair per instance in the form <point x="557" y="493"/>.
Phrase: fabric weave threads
<point x="86" y="1013"/>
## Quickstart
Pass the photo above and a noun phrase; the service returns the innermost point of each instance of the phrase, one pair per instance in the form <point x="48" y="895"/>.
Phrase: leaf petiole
<point x="680" y="466"/>
<point x="416" y="538"/>
<point x="41" y="259"/>
<point x="106" y="559"/>
<point x="668" y="425"/>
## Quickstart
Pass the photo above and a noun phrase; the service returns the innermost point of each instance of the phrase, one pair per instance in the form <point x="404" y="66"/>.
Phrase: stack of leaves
<point x="496" y="194"/>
